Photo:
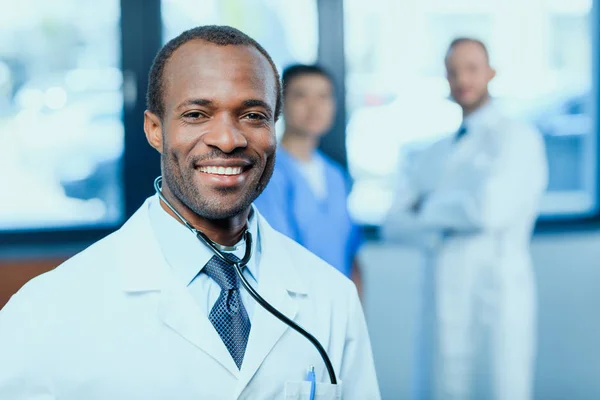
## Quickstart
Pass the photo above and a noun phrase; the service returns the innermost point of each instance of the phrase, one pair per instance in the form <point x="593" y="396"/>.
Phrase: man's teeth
<point x="222" y="170"/>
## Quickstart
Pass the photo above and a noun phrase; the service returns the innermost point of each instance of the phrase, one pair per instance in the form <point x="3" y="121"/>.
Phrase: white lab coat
<point x="481" y="196"/>
<point x="114" y="323"/>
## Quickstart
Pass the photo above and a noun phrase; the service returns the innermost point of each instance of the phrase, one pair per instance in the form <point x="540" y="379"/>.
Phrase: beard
<point x="476" y="103"/>
<point x="214" y="203"/>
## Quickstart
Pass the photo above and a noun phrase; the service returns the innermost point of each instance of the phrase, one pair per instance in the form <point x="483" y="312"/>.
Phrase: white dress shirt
<point x="187" y="255"/>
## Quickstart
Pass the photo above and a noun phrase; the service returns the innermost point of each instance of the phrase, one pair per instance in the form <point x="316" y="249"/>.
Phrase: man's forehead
<point x="199" y="65"/>
<point x="198" y="56"/>
<point x="203" y="48"/>
<point x="309" y="78"/>
<point x="467" y="49"/>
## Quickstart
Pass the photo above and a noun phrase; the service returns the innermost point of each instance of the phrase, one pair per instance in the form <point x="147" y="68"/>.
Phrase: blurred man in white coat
<point x="470" y="201"/>
<point x="151" y="311"/>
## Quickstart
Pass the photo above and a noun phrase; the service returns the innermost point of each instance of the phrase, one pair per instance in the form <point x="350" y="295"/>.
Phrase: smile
<point x="221" y="170"/>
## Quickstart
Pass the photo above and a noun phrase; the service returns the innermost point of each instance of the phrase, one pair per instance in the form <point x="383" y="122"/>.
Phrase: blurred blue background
<point x="62" y="88"/>
<point x="73" y="163"/>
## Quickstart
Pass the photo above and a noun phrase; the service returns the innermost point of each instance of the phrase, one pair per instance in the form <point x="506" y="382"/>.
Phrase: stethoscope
<point x="238" y="267"/>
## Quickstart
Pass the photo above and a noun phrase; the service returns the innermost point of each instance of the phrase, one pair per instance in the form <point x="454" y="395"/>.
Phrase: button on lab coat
<point x="480" y="198"/>
<point x="114" y="323"/>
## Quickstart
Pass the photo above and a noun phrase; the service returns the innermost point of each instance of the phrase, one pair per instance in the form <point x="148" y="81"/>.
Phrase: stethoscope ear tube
<point x="239" y="266"/>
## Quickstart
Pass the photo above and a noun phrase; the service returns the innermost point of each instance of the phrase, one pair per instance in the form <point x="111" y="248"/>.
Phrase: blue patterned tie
<point x="228" y="315"/>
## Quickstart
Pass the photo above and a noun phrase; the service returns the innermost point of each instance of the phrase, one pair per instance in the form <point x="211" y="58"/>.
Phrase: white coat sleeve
<point x="401" y="223"/>
<point x="507" y="189"/>
<point x="357" y="374"/>
<point x="21" y="365"/>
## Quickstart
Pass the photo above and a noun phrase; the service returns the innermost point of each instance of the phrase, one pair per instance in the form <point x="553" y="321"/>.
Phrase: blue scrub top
<point x="323" y="226"/>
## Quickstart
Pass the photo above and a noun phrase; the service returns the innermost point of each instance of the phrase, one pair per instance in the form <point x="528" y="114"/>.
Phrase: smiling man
<point x="150" y="311"/>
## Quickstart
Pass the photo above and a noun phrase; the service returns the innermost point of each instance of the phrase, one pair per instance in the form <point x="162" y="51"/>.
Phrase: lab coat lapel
<point x="145" y="270"/>
<point x="181" y="313"/>
<point x="279" y="284"/>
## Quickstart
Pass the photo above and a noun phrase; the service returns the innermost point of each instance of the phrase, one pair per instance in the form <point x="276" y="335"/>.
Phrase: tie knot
<point x="222" y="272"/>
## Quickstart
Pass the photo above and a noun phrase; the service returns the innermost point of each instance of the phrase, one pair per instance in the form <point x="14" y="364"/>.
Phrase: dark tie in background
<point x="462" y="131"/>
<point x="228" y="315"/>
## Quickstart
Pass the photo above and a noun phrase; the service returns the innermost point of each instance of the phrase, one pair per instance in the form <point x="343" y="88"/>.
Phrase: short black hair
<point x="215" y="34"/>
<point x="293" y="71"/>
<point x="460" y="40"/>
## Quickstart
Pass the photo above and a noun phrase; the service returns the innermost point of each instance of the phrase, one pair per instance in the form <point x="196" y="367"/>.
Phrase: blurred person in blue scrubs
<point x="470" y="202"/>
<point x="306" y="198"/>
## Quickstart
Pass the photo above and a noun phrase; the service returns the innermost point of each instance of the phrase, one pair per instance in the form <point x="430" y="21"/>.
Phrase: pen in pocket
<point x="310" y="376"/>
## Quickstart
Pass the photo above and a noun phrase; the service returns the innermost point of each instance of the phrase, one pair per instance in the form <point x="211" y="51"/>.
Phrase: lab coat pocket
<point x="323" y="391"/>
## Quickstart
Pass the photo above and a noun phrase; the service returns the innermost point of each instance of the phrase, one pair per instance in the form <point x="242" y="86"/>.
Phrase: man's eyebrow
<point x="258" y="103"/>
<point x="209" y="103"/>
<point x="195" y="102"/>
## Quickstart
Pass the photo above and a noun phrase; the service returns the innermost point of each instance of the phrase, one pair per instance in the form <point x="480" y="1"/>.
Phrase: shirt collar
<point x="483" y="115"/>
<point x="185" y="253"/>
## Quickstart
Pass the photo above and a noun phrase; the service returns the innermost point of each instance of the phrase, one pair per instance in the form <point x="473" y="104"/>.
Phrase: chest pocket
<point x="323" y="391"/>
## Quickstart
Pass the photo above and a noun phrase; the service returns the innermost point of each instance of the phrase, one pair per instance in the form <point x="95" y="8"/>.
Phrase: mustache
<point x="216" y="154"/>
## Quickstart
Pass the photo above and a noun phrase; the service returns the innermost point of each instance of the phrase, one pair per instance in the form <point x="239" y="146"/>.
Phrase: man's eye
<point x="255" y="116"/>
<point x="193" y="115"/>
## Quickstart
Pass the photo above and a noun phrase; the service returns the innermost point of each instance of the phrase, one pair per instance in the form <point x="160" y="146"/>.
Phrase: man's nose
<point x="462" y="78"/>
<point x="226" y="135"/>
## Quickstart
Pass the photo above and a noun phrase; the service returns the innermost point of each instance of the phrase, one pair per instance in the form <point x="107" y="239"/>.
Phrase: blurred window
<point x="61" y="132"/>
<point x="397" y="94"/>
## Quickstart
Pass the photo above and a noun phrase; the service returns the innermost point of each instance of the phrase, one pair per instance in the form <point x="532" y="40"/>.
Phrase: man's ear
<point x="492" y="74"/>
<point x="153" y="130"/>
